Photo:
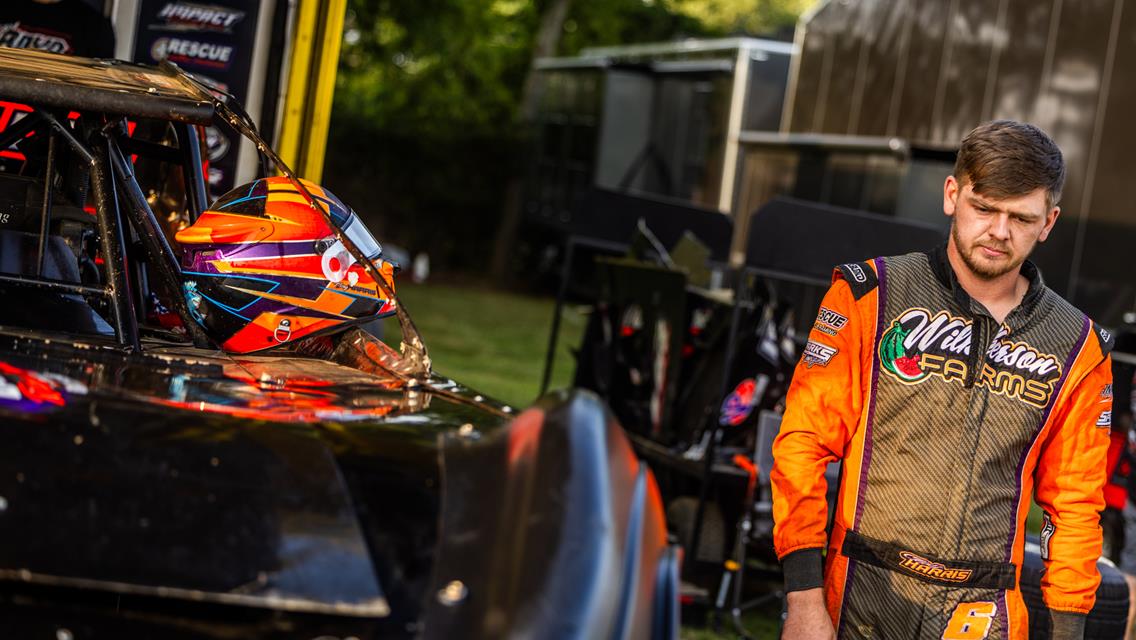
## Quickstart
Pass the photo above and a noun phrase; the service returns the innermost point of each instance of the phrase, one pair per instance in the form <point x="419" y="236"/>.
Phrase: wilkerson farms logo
<point x="919" y="345"/>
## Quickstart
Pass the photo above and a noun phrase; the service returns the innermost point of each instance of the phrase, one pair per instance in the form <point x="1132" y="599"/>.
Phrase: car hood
<point x="286" y="483"/>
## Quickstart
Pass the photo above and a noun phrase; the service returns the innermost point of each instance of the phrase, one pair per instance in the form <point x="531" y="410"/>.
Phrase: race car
<point x="201" y="438"/>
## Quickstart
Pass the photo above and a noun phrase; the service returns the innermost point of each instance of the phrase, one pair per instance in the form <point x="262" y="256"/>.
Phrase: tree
<point x="428" y="132"/>
<point x="748" y="17"/>
<point x="434" y="65"/>
<point x="547" y="42"/>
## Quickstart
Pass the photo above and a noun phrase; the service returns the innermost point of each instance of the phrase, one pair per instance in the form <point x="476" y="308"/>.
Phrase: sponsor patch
<point x="1106" y="340"/>
<point x="1047" y="530"/>
<point x="920" y="344"/>
<point x="829" y="321"/>
<point x="970" y="621"/>
<point x="1106" y="393"/>
<point x="1105" y="418"/>
<point x="860" y="276"/>
<point x="922" y="566"/>
<point x="818" y="354"/>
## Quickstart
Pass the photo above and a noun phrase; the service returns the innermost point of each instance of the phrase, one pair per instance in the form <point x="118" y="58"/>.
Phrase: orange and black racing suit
<point x="947" y="423"/>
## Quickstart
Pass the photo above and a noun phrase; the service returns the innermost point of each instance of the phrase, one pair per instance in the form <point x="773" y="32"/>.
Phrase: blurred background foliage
<point x="427" y="126"/>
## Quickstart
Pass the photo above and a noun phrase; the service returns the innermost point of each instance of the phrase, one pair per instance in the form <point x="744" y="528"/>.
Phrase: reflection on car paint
<point x="261" y="391"/>
<point x="27" y="390"/>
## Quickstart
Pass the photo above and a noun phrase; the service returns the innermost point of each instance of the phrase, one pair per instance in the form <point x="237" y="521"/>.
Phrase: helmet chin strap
<point x="413" y="348"/>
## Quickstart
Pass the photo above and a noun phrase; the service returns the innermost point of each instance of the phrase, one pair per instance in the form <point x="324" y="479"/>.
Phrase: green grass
<point x="491" y="341"/>
<point x="760" y="623"/>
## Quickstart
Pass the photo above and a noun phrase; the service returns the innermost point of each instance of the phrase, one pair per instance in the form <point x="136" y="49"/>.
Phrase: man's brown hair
<point x="1007" y="159"/>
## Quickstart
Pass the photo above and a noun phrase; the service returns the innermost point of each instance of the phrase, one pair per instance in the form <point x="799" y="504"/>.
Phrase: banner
<point x="213" y="40"/>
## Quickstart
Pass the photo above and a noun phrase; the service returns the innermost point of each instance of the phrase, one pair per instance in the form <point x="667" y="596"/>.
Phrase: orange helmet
<point x="261" y="268"/>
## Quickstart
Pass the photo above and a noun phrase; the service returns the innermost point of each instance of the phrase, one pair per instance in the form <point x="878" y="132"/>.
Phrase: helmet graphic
<point x="261" y="268"/>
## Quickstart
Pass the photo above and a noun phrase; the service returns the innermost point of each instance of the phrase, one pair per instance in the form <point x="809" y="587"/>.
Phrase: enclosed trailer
<point x="659" y="120"/>
<point x="915" y="77"/>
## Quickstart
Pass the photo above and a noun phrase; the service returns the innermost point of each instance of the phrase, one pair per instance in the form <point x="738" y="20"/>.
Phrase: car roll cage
<point x="103" y="152"/>
<point x="103" y="149"/>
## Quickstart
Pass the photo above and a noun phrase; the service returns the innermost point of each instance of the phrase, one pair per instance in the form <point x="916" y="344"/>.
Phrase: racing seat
<point x="21" y="210"/>
<point x="19" y="252"/>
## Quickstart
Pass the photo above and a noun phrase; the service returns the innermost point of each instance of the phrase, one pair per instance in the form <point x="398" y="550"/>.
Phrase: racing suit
<point x="946" y="422"/>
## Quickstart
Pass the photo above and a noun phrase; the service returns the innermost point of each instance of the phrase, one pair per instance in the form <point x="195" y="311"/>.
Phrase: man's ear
<point x="951" y="189"/>
<point x="1050" y="220"/>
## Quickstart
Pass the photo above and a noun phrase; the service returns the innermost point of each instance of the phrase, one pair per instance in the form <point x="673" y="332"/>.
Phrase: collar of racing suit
<point x="941" y="267"/>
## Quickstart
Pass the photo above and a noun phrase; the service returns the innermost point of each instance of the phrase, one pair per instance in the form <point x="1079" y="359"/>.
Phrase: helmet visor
<point x="361" y="236"/>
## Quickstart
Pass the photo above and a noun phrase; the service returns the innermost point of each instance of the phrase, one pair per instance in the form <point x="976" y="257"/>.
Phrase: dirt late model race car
<point x="200" y="438"/>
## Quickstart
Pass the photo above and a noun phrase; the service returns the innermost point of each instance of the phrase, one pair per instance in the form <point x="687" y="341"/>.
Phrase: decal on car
<point x="30" y="390"/>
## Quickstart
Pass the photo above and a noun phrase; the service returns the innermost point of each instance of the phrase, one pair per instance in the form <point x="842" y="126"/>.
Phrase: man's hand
<point x="807" y="617"/>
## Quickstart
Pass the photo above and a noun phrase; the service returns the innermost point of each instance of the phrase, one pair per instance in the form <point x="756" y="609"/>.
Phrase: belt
<point x="928" y="568"/>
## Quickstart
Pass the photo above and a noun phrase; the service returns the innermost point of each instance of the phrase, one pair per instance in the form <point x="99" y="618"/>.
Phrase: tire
<point x="712" y="540"/>
<point x="666" y="625"/>
<point x="1112" y="525"/>
<point x="1109" y="616"/>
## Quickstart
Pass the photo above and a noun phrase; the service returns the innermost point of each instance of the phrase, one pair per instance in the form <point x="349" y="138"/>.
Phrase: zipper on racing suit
<point x="979" y="342"/>
<point x="978" y="403"/>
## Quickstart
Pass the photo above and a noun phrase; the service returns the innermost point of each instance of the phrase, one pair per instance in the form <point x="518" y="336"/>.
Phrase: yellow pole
<point x="322" y="88"/>
<point x="311" y="86"/>
<point x="291" y="125"/>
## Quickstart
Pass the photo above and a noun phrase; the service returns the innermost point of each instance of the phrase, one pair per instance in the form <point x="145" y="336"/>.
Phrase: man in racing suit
<point x="954" y="386"/>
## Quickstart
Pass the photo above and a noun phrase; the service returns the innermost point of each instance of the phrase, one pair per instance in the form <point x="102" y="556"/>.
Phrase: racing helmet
<point x="261" y="268"/>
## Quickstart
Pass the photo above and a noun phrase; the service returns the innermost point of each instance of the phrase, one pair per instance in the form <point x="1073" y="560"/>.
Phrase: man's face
<point x="994" y="237"/>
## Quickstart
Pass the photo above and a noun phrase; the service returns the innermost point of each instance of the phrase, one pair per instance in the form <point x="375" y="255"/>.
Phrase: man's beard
<point x="982" y="269"/>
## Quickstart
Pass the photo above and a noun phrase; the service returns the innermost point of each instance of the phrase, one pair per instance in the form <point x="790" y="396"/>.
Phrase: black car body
<point x="153" y="486"/>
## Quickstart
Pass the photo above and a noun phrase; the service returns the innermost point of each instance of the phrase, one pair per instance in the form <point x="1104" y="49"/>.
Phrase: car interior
<point x="52" y="269"/>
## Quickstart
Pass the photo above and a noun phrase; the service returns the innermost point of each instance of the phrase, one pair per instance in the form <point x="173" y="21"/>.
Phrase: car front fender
<point x="551" y="528"/>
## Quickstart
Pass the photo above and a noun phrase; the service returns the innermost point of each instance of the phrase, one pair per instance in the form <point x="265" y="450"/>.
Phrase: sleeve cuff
<point x="804" y="569"/>
<point x="1067" y="625"/>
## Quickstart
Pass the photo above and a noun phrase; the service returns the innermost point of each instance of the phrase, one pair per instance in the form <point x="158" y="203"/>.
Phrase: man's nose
<point x="1000" y="226"/>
